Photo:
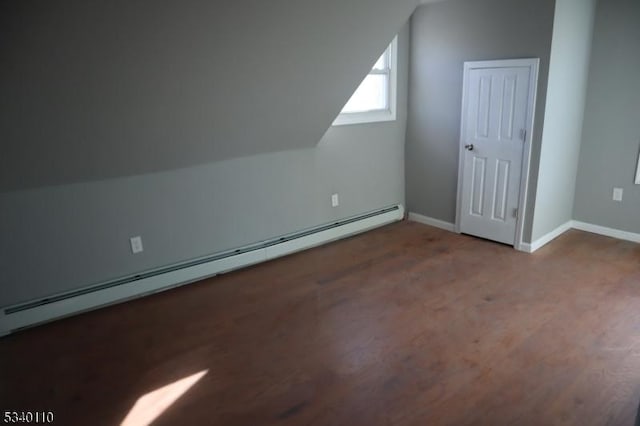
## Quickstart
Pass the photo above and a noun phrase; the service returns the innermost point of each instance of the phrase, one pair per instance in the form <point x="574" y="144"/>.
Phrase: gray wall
<point x="95" y="90"/>
<point x="611" y="134"/>
<point x="443" y="36"/>
<point x="61" y="237"/>
<point x="564" y="112"/>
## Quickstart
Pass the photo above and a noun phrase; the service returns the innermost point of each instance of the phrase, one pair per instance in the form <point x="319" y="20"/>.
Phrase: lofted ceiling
<point x="94" y="90"/>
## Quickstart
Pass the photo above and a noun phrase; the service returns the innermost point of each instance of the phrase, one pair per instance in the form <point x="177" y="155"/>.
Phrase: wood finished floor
<point x="404" y="325"/>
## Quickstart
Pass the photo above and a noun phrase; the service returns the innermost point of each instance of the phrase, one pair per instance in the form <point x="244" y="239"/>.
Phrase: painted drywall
<point x="611" y="132"/>
<point x="97" y="90"/>
<point x="65" y="237"/>
<point x="564" y="113"/>
<point x="444" y="36"/>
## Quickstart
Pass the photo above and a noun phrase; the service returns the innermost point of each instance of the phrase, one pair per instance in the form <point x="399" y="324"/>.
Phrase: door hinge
<point x="523" y="134"/>
<point x="515" y="213"/>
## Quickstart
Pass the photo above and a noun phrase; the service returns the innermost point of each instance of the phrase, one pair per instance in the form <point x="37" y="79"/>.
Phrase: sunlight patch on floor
<point x="151" y="405"/>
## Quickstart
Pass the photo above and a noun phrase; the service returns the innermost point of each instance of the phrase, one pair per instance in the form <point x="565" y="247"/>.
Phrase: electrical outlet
<point x="335" y="201"/>
<point x="136" y="244"/>
<point x="617" y="194"/>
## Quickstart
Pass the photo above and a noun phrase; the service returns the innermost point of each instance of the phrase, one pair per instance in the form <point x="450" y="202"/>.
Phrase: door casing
<point x="534" y="65"/>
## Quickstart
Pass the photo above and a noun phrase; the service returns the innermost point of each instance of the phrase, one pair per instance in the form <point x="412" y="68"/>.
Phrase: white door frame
<point x="534" y="65"/>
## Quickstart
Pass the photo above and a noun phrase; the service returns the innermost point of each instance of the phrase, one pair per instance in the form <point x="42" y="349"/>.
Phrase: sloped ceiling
<point x="93" y="90"/>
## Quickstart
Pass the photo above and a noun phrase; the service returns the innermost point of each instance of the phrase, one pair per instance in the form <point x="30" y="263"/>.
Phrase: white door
<point x="496" y="118"/>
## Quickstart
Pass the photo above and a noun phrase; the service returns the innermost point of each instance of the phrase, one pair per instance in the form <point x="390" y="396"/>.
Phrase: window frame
<point x="379" y="115"/>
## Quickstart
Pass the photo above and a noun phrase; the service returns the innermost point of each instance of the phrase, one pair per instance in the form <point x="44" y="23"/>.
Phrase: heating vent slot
<point x="152" y="273"/>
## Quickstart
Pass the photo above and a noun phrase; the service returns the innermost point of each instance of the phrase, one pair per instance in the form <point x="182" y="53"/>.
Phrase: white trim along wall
<point x="545" y="239"/>
<point x="12" y="318"/>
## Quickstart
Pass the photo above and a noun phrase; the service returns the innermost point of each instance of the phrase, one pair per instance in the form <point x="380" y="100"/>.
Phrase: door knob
<point x="469" y="147"/>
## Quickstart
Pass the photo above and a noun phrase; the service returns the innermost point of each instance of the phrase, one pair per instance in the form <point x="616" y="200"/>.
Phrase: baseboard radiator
<point x="27" y="314"/>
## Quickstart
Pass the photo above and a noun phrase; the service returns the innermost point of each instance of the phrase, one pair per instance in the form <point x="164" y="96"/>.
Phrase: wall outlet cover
<point x="335" y="201"/>
<point x="617" y="194"/>
<point x="136" y="244"/>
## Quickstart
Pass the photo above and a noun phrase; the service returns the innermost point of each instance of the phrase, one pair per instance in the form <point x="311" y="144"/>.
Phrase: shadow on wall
<point x="103" y="90"/>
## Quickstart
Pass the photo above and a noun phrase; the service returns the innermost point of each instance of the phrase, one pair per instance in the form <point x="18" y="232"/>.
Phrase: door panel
<point x="500" y="191"/>
<point x="494" y="120"/>
<point x="508" y="107"/>
<point x="477" y="186"/>
<point x="484" y="104"/>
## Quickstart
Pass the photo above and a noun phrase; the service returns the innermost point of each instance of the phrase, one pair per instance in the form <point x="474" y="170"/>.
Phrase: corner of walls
<point x="564" y="116"/>
<point x="443" y="36"/>
<point x="610" y="137"/>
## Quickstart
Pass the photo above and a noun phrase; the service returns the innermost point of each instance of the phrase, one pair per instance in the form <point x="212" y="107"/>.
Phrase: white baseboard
<point x="545" y="239"/>
<point x="156" y="283"/>
<point x="425" y="220"/>
<point x="581" y="226"/>
<point x="525" y="248"/>
<point x="608" y="232"/>
<point x="168" y="280"/>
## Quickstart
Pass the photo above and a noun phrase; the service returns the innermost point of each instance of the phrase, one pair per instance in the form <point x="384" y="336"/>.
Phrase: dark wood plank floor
<point x="404" y="325"/>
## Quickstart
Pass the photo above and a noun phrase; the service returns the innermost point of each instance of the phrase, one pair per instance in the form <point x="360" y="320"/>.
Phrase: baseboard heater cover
<point x="61" y="305"/>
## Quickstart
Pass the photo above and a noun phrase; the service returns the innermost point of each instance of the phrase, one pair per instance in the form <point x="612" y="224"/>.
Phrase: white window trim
<point x="377" y="115"/>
